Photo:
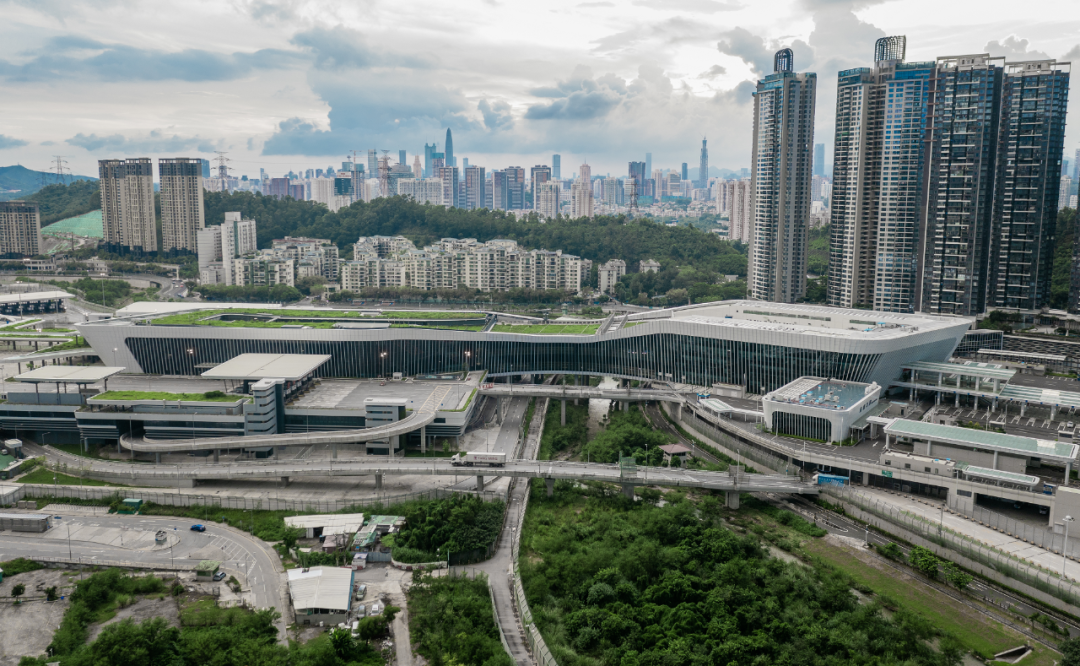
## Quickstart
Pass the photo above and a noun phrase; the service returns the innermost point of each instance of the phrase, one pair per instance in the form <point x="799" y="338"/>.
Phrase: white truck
<point x="478" y="458"/>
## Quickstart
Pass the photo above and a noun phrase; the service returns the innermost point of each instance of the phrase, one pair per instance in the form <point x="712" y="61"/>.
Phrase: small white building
<point x="321" y="595"/>
<point x="819" y="409"/>
<point x="608" y="275"/>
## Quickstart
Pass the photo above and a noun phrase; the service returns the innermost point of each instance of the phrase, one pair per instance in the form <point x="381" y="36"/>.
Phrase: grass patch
<point x="448" y="327"/>
<point x="547" y="329"/>
<point x="431" y="453"/>
<point x="19" y="324"/>
<point x="19" y="565"/>
<point x="975" y="631"/>
<point x="78" y="343"/>
<point x="211" y="396"/>
<point x="45" y="477"/>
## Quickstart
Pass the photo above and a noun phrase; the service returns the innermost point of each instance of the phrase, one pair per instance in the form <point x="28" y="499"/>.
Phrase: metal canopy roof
<point x="998" y="475"/>
<point x="321" y="587"/>
<point x="1034" y="394"/>
<point x="290" y="367"/>
<point x="982" y="439"/>
<point x="71" y="374"/>
<point x="34" y="296"/>
<point x="1022" y="355"/>
<point x="966" y="369"/>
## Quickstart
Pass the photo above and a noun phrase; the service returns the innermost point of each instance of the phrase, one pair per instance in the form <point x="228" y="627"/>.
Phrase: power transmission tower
<point x="222" y="169"/>
<point x="60" y="168"/>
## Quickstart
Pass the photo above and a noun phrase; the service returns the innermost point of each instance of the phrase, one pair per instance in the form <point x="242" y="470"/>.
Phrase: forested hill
<point x="59" y="202"/>
<point x="18" y="182"/>
<point x="599" y="239"/>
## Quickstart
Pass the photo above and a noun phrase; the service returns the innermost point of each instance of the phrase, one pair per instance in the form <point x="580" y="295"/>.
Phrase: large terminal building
<point x="760" y="346"/>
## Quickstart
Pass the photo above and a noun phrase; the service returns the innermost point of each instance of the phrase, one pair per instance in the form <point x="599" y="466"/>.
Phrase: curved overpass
<point x="548" y="470"/>
<point x="424" y="415"/>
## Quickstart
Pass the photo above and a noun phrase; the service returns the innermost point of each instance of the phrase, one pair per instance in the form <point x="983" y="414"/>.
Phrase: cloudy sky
<point x="293" y="84"/>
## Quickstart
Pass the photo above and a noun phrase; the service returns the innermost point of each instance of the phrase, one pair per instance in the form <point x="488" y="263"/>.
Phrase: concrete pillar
<point x="1068" y="472"/>
<point x="499" y="407"/>
<point x="911" y="393"/>
<point x="995" y="459"/>
<point x="1053" y="412"/>
<point x="732" y="499"/>
<point x="626" y="405"/>
<point x="284" y="481"/>
<point x="423" y="439"/>
<point x="940" y="377"/>
<point x="216" y="454"/>
<point x="479" y="482"/>
<point x="929" y="448"/>
<point x="157" y="458"/>
<point x="335" y="452"/>
<point x="550" y="487"/>
<point x="118" y="446"/>
<point x="378" y="480"/>
<point x="1023" y="408"/>
<point x="562" y="412"/>
<point x="996" y="385"/>
<point x="866" y="478"/>
<point x="678" y="412"/>
<point x="628" y="490"/>
<point x="937" y="400"/>
<point x="957" y="399"/>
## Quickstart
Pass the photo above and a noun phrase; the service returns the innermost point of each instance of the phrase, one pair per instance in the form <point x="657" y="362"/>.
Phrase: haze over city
<point x="296" y="85"/>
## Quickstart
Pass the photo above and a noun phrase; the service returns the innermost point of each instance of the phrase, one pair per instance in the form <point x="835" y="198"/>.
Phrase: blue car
<point x="198" y="528"/>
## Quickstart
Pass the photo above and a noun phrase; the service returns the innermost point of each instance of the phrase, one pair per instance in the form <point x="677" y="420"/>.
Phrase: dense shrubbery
<point x="614" y="582"/>
<point x="450" y="622"/>
<point x="630" y="434"/>
<point x="462" y="524"/>
<point x="279" y="293"/>
<point x="20" y="565"/>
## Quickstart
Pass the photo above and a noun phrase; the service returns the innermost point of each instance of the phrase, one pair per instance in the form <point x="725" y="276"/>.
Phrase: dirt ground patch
<point x="143" y="609"/>
<point x="27" y="629"/>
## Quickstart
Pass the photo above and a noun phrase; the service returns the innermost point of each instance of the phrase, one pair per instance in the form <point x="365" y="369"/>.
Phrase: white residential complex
<point x="221" y="245"/>
<point x="608" y="275"/>
<point x="451" y="263"/>
<point x="423" y="190"/>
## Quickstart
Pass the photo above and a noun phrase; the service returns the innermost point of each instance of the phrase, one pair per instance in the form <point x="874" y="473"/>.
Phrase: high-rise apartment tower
<point x="20" y="229"/>
<point x="181" y="204"/>
<point x="703" y="166"/>
<point x="127" y="205"/>
<point x="780" y="181"/>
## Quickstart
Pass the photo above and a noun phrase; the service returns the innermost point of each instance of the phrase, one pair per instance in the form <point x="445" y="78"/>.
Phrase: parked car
<point x="198" y="528"/>
<point x="219" y="576"/>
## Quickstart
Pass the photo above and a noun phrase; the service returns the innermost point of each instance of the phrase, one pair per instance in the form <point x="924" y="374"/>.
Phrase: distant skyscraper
<point x="464" y="163"/>
<point x="703" y="166"/>
<point x="429" y="150"/>
<point x="475" y="181"/>
<point x="541" y="173"/>
<point x="500" y="195"/>
<point x="418" y="171"/>
<point x="1076" y="167"/>
<point x="739" y="201"/>
<point x="181" y="203"/>
<point x="648" y="163"/>
<point x="401" y="159"/>
<point x="448" y="150"/>
<point x="685" y="172"/>
<point x="556" y="166"/>
<point x="548" y="199"/>
<point x="127" y="205"/>
<point x="449" y="177"/>
<point x="585" y="172"/>
<point x="515" y="185"/>
<point x="878" y="170"/>
<point x="372" y="162"/>
<point x="20" y="229"/>
<point x="206" y="168"/>
<point x="581" y="198"/>
<point x="781" y="175"/>
<point x="819" y="159"/>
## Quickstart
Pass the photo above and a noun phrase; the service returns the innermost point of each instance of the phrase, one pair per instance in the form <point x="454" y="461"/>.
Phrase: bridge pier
<point x="284" y="481"/>
<point x="423" y="439"/>
<point x="550" y="487"/>
<point x="500" y="408"/>
<point x="628" y="490"/>
<point x="732" y="499"/>
<point x="678" y="412"/>
<point x="217" y="453"/>
<point x="562" y="418"/>
<point x="378" y="480"/>
<point x="479" y="483"/>
<point x="335" y="452"/>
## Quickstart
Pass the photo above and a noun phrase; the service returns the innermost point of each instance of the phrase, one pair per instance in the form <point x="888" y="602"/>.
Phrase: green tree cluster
<point x="461" y="524"/>
<point x="279" y="293"/>
<point x="630" y="584"/>
<point x="450" y="622"/>
<point x="59" y="202"/>
<point x="1063" y="258"/>
<point x="630" y="434"/>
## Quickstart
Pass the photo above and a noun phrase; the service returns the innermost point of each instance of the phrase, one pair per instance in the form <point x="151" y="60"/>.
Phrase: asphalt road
<point x="94" y="538"/>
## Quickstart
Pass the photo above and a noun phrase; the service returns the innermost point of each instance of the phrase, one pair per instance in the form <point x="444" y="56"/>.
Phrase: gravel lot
<point x="27" y="629"/>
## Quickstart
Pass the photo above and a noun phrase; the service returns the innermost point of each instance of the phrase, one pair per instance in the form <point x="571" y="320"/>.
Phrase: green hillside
<point x="59" y="202"/>
<point x="18" y="182"/>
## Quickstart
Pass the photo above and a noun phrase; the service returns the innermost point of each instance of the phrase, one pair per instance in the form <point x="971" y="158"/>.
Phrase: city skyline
<point x="276" y="98"/>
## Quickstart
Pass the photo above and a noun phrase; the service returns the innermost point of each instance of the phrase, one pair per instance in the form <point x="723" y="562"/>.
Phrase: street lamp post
<point x="1065" y="546"/>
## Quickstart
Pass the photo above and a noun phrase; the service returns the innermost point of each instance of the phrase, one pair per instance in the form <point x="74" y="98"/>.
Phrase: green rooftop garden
<point x="210" y="396"/>
<point x="547" y="329"/>
<point x="196" y="318"/>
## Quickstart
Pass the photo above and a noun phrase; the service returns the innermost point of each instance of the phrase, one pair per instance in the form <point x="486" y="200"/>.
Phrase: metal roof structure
<point x="249" y="367"/>
<point x="321" y="587"/>
<point x="1006" y="354"/>
<point x="69" y="374"/>
<point x="997" y="475"/>
<point x="967" y="369"/>
<point x="981" y="439"/>
<point x="34" y="296"/>
<point x="339" y="523"/>
<point x="1041" y="396"/>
